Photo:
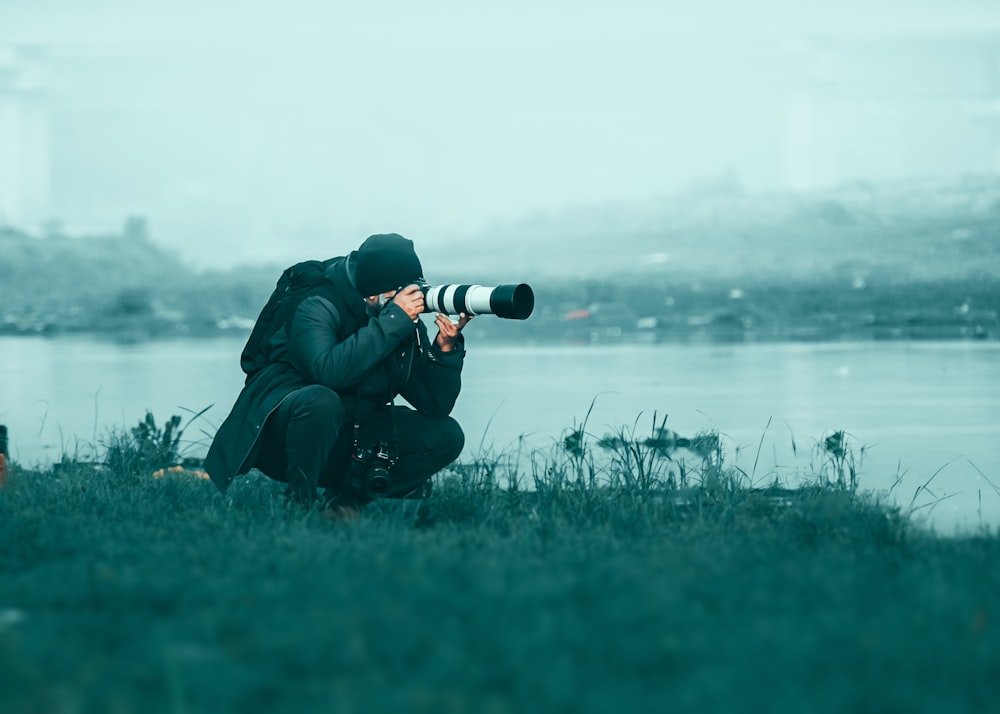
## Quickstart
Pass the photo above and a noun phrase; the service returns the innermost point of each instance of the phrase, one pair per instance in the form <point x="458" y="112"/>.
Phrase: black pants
<point x="308" y="440"/>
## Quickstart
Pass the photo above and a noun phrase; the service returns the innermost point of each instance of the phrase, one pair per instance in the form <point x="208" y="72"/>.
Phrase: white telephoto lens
<point x="477" y="300"/>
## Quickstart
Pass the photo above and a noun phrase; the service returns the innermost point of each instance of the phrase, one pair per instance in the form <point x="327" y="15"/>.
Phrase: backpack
<point x="296" y="283"/>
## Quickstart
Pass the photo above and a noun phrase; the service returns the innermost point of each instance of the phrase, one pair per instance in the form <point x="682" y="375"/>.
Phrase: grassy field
<point x="614" y="580"/>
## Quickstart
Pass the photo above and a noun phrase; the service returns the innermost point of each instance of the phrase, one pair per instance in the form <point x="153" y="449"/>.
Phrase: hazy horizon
<point x="265" y="132"/>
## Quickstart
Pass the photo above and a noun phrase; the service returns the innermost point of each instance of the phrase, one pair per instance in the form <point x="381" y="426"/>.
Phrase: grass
<point x="630" y="573"/>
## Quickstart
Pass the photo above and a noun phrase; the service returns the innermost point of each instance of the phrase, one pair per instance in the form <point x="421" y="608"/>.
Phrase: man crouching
<point x="337" y="342"/>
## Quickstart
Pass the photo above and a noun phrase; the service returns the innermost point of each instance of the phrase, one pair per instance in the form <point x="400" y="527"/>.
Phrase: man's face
<point x="380" y="301"/>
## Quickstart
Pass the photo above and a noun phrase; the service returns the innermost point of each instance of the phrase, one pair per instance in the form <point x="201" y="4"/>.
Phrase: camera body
<point x="370" y="469"/>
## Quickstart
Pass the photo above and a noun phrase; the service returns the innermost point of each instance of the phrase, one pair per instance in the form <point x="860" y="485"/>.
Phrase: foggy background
<point x="252" y="132"/>
<point x="797" y="173"/>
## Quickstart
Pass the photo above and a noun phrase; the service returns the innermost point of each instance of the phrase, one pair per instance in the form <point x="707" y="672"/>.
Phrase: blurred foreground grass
<point x="628" y="583"/>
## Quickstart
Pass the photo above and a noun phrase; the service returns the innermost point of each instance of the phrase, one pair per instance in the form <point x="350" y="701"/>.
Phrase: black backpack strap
<point x="336" y="287"/>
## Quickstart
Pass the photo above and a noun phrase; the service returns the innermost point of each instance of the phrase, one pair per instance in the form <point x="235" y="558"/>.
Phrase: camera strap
<point x="393" y="371"/>
<point x="394" y="442"/>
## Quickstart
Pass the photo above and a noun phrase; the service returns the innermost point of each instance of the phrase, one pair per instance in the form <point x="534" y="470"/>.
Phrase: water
<point x="917" y="408"/>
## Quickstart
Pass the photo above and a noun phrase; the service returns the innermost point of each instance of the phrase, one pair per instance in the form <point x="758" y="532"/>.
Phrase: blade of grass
<point x="985" y="477"/>
<point x="928" y="482"/>
<point x="753" y="473"/>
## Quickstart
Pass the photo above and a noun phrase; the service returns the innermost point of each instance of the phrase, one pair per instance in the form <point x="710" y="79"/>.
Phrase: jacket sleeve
<point x="315" y="352"/>
<point x="436" y="378"/>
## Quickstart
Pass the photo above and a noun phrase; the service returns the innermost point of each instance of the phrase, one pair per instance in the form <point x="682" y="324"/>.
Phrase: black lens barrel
<point x="514" y="302"/>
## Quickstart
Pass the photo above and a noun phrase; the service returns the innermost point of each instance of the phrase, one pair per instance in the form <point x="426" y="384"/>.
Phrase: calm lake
<point x="917" y="408"/>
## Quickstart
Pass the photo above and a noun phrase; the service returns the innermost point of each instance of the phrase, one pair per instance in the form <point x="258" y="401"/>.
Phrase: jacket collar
<point x="341" y="276"/>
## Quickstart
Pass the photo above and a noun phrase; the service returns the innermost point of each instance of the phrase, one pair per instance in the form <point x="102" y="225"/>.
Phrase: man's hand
<point x="411" y="299"/>
<point x="448" y="330"/>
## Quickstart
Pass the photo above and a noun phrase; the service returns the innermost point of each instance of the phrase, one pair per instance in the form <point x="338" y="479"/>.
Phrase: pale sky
<point x="259" y="129"/>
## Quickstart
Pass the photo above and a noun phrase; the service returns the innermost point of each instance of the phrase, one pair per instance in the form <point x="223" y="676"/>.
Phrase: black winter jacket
<point x="388" y="356"/>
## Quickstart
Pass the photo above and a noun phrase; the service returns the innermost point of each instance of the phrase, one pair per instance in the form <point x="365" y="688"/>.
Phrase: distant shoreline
<point x="589" y="312"/>
<point x="910" y="262"/>
<point x="596" y="335"/>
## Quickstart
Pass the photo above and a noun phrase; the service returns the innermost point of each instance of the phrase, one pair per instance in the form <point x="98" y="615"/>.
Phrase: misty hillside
<point x="105" y="283"/>
<point x="915" y="260"/>
<point x="913" y="231"/>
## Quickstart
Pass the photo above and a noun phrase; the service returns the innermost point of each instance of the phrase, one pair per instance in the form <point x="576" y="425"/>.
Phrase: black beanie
<point x="386" y="261"/>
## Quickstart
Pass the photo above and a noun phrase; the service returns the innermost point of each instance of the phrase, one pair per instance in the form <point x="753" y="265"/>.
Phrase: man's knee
<point x="451" y="439"/>
<point x="316" y="403"/>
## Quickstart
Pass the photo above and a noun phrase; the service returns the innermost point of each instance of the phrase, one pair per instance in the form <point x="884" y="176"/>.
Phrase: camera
<point x="370" y="469"/>
<point x="514" y="302"/>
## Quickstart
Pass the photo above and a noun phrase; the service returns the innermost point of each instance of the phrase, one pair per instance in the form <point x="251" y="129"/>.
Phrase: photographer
<point x="324" y="364"/>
